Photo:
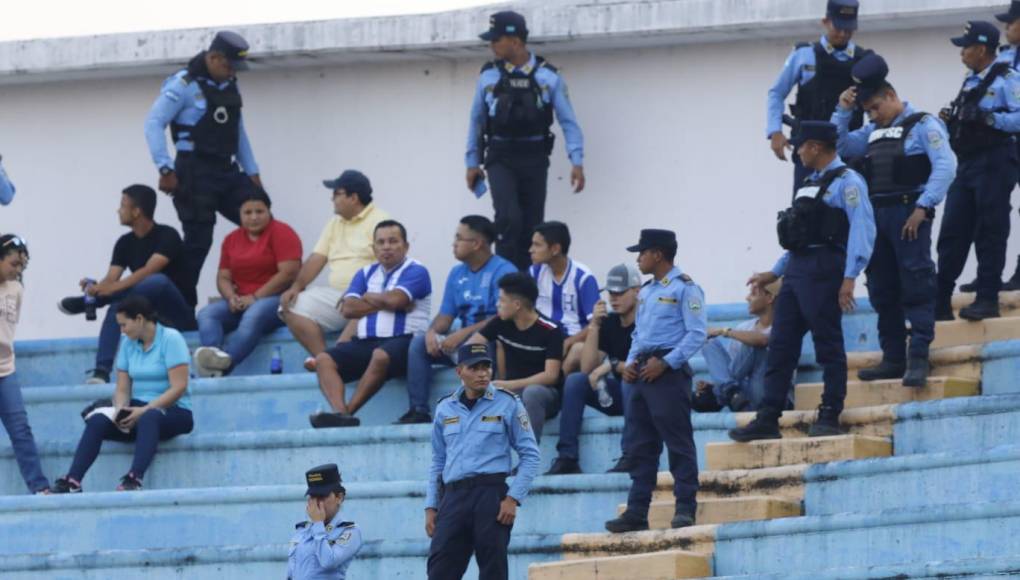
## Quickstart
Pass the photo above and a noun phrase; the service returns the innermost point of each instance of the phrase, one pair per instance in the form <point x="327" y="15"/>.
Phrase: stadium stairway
<point x="222" y="502"/>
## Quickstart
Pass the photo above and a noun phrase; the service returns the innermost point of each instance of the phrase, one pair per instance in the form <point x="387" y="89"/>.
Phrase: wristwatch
<point x="726" y="332"/>
<point x="165" y="170"/>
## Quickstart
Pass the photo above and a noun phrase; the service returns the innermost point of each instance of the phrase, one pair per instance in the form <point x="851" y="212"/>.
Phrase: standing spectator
<point x="470" y="298"/>
<point x="390" y="300"/>
<point x="346" y="245"/>
<point x="13" y="261"/>
<point x="258" y="261"/>
<point x="532" y="348"/>
<point x="603" y="359"/>
<point x="153" y="254"/>
<point x="151" y="402"/>
<point x="6" y="187"/>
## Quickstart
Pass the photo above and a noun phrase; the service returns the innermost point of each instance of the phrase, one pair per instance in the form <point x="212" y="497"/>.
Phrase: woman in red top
<point x="258" y="261"/>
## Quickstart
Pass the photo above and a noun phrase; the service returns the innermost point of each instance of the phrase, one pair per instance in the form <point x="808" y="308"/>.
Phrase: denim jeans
<point x="743" y="373"/>
<point x="165" y="298"/>
<point x="15" y="420"/>
<point x="419" y="373"/>
<point x="577" y="393"/>
<point x="248" y="326"/>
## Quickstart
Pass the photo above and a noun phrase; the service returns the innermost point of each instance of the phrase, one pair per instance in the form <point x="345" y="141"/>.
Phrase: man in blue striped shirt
<point x="387" y="303"/>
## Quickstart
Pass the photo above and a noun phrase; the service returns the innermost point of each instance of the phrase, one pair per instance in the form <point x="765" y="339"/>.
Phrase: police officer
<point x="981" y="121"/>
<point x="202" y="106"/>
<point x="324" y="546"/>
<point x="468" y="505"/>
<point x="821" y="72"/>
<point x="671" y="326"/>
<point x="828" y="233"/>
<point x="6" y="187"/>
<point x="908" y="165"/>
<point x="510" y="129"/>
<point x="1009" y="54"/>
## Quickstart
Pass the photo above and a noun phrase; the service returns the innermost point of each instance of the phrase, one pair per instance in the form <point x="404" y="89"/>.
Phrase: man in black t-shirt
<point x="530" y="349"/>
<point x="151" y="253"/>
<point x="603" y="358"/>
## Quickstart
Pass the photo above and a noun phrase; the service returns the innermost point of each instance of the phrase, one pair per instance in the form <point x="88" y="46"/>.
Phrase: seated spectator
<point x="151" y="402"/>
<point x="531" y="349"/>
<point x="6" y="187"/>
<point x="470" y="298"/>
<point x="153" y="253"/>
<point x="258" y="261"/>
<point x="388" y="303"/>
<point x="567" y="290"/>
<point x="13" y="261"/>
<point x="346" y="245"/>
<point x="603" y="359"/>
<point x="736" y="358"/>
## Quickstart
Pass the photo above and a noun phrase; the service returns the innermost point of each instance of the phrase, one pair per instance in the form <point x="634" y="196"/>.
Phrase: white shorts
<point x="321" y="304"/>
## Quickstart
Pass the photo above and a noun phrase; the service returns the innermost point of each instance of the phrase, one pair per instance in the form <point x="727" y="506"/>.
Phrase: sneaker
<point x="682" y="518"/>
<point x="97" y="377"/>
<point x="980" y="310"/>
<point x="969" y="286"/>
<point x="413" y="417"/>
<point x="883" y="370"/>
<point x="129" y="483"/>
<point x="827" y="423"/>
<point x="627" y="522"/>
<point x="72" y="305"/>
<point x="328" y="420"/>
<point x="44" y="491"/>
<point x="765" y="425"/>
<point x="310" y="364"/>
<point x="66" y="485"/>
<point x="917" y="373"/>
<point x="623" y="465"/>
<point x="564" y="466"/>
<point x="211" y="361"/>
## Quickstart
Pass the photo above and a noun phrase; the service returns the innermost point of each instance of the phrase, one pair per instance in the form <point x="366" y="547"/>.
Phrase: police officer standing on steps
<point x="202" y="106"/>
<point x="324" y="546"/>
<point x="1009" y="54"/>
<point x="981" y="120"/>
<point x="908" y="165"/>
<point x="821" y="72"/>
<point x="828" y="233"/>
<point x="468" y="505"/>
<point x="671" y="326"/>
<point x="510" y="130"/>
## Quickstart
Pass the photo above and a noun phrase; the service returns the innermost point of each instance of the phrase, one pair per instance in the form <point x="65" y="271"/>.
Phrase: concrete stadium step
<point x="959" y="332"/>
<point x="723" y="510"/>
<point x="972" y="569"/>
<point x="786" y="481"/>
<point x="1009" y="302"/>
<point x="666" y="565"/>
<point x="962" y="424"/>
<point x="867" y="421"/>
<point x="886" y="392"/>
<point x="962" y="361"/>
<point x="775" y="452"/>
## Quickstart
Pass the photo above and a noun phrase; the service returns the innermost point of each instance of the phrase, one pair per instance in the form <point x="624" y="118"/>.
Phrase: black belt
<point x="894" y="199"/>
<point x="661" y="353"/>
<point x="478" y="481"/>
<point x="223" y="161"/>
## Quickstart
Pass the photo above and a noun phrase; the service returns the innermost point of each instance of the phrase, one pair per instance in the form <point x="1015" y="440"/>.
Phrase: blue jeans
<point x="165" y="298"/>
<point x="248" y="326"/>
<point x="419" y="373"/>
<point x="15" y="420"/>
<point x="577" y="393"/>
<point x="744" y="373"/>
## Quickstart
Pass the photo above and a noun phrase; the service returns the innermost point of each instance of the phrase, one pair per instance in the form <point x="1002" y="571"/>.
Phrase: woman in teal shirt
<point x="151" y="403"/>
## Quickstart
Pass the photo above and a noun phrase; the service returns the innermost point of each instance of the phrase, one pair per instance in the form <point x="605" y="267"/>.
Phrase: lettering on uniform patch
<point x="934" y="139"/>
<point x="520" y="83"/>
<point x="492" y="419"/>
<point x="889" y="133"/>
<point x="852" y="195"/>
<point x="667" y="300"/>
<point x="451" y="420"/>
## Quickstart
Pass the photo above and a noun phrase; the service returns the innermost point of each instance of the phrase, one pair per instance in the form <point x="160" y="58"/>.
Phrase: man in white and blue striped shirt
<point x="388" y="303"/>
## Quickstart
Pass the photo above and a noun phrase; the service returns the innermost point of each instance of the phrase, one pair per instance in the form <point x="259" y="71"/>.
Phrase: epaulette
<point x="801" y="45"/>
<point x="443" y="398"/>
<point x="687" y="279"/>
<point x="540" y="62"/>
<point x="506" y="392"/>
<point x="648" y="283"/>
<point x="346" y="525"/>
<point x="301" y="525"/>
<point x="489" y="65"/>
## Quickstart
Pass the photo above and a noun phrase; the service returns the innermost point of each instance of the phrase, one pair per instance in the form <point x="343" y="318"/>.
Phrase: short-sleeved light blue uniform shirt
<point x="471" y="297"/>
<point x="150" y="369"/>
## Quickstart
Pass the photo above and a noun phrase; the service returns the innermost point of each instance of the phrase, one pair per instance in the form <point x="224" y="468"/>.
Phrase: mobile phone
<point x="122" y="414"/>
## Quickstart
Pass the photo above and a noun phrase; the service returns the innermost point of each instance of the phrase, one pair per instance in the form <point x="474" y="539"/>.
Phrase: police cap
<point x="233" y="46"/>
<point x="823" y="131"/>
<point x="869" y="73"/>
<point x="658" y="239"/>
<point x="324" y="480"/>
<point x="506" y="23"/>
<point x="472" y="354"/>
<point x="842" y="13"/>
<point x="1012" y="14"/>
<point x="978" y="32"/>
<point x="352" y="181"/>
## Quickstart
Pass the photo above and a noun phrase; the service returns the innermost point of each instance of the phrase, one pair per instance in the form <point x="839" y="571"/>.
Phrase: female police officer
<point x="323" y="547"/>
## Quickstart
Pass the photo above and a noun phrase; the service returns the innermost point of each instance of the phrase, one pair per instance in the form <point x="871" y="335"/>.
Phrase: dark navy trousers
<point x="808" y="301"/>
<point x="518" y="183"/>
<point x="465" y="524"/>
<point x="901" y="285"/>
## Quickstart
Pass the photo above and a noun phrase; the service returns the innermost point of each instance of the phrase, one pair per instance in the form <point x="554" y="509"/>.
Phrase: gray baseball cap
<point x="622" y="277"/>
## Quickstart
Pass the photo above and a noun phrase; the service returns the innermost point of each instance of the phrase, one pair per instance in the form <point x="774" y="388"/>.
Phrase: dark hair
<point x="144" y="198"/>
<point x="258" y="195"/>
<point x="480" y="225"/>
<point x="10" y="243"/>
<point x="390" y="224"/>
<point x="137" y="305"/>
<point x="555" y="233"/>
<point x="520" y="285"/>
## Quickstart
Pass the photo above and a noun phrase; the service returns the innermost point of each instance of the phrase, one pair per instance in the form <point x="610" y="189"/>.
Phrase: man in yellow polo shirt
<point x="346" y="245"/>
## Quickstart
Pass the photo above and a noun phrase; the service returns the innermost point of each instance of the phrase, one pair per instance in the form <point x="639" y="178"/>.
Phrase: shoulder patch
<point x="852" y="196"/>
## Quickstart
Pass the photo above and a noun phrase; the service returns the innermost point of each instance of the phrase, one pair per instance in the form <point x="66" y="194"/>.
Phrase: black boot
<point x="944" y="308"/>
<point x="628" y="522"/>
<point x="564" y="466"/>
<point x="765" y="425"/>
<point x="980" y="310"/>
<point x="623" y="465"/>
<point x="884" y="370"/>
<point x="1014" y="282"/>
<point x="682" y="517"/>
<point x="827" y="423"/>
<point x="969" y="286"/>
<point x="917" y="373"/>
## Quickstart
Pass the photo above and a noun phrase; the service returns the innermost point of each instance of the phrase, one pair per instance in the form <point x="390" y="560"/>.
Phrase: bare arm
<point x="550" y="376"/>
<point x="178" y="384"/>
<point x="591" y="356"/>
<point x="442" y="322"/>
<point x="225" y="285"/>
<point x="751" y="338"/>
<point x="286" y="273"/>
<point x="122" y="394"/>
<point x="309" y="271"/>
<point x="353" y="307"/>
<point x="393" y="300"/>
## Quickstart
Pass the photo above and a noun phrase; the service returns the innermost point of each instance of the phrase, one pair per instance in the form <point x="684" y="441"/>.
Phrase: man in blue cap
<point x="469" y="508"/>
<point x="829" y="233"/>
<point x="510" y="131"/>
<point x="909" y="166"/>
<point x="981" y="120"/>
<point x="323" y="546"/>
<point x="202" y="106"/>
<point x="821" y="72"/>
<point x="670" y="328"/>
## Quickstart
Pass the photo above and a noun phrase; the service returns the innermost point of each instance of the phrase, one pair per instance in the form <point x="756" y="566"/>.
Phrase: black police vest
<point x="817" y="98"/>
<point x="520" y="113"/>
<point x="218" y="132"/>
<point x="809" y="221"/>
<point x="970" y="137"/>
<point x="887" y="167"/>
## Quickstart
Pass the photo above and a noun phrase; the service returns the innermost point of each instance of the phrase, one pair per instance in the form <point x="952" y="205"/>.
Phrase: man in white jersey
<point x="389" y="302"/>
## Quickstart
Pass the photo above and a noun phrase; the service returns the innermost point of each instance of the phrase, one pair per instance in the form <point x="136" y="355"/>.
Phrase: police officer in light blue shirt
<point x="1010" y="55"/>
<point x="324" y="546"/>
<point x="510" y="131"/>
<point x="829" y="233"/>
<point x="468" y="506"/>
<point x="202" y="106"/>
<point x="6" y="187"/>
<point x="670" y="327"/>
<point x="909" y="166"/>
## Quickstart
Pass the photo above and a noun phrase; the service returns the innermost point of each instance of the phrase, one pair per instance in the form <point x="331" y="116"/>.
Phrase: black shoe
<point x="564" y="466"/>
<point x="129" y="483"/>
<point x="72" y="305"/>
<point x="682" y="518"/>
<point x="414" y="417"/>
<point x="623" y="465"/>
<point x="917" y="373"/>
<point x="705" y="401"/>
<point x="97" y="377"/>
<point x="739" y="403"/>
<point x="969" y="286"/>
<point x="327" y="420"/>
<point x="980" y="310"/>
<point x="65" y="485"/>
<point x="765" y="425"/>
<point x="883" y="370"/>
<point x="1014" y="282"/>
<point x="627" y="522"/>
<point x="827" y="423"/>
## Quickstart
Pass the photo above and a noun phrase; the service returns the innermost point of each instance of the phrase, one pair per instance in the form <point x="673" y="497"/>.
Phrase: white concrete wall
<point x="674" y="139"/>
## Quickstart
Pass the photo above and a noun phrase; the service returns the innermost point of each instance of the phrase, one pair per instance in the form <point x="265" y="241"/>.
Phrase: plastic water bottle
<point x="90" y="300"/>
<point x="276" y="363"/>
<point x="605" y="399"/>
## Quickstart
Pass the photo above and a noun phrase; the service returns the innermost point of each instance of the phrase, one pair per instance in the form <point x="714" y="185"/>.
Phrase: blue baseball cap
<point x="472" y="354"/>
<point x="233" y="46"/>
<point x="843" y="13"/>
<point x="823" y="131"/>
<point x="506" y="23"/>
<point x="978" y="32"/>
<point x="869" y="73"/>
<point x="352" y="181"/>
